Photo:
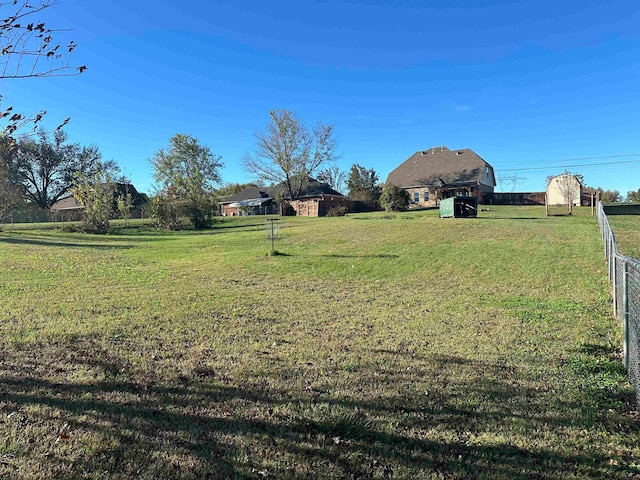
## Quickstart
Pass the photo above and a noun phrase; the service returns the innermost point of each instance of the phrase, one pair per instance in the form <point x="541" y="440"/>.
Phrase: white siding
<point x="559" y="186"/>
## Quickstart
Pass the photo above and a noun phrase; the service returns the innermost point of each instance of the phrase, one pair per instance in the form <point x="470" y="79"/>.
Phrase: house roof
<point x="564" y="175"/>
<point x="440" y="166"/>
<point x="67" y="203"/>
<point x="128" y="188"/>
<point x="313" y="188"/>
<point x="70" y="203"/>
<point x="250" y="193"/>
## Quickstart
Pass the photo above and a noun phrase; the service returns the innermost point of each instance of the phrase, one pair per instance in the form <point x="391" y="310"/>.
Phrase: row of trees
<point x="287" y="153"/>
<point x="613" y="196"/>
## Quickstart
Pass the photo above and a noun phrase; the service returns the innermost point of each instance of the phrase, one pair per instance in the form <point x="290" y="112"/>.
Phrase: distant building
<point x="252" y="200"/>
<point x="437" y="173"/>
<point x="564" y="189"/>
<point x="315" y="200"/>
<point x="68" y="208"/>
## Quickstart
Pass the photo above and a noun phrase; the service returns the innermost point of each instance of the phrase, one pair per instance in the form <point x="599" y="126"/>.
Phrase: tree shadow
<point x="510" y="218"/>
<point x="126" y="420"/>
<point x="380" y="256"/>
<point x="52" y="243"/>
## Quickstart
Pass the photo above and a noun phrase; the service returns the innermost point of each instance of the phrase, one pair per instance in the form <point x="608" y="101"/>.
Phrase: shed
<point x="458" y="207"/>
<point x="564" y="189"/>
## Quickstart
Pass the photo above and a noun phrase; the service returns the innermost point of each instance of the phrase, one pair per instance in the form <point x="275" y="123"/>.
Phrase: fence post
<point x="614" y="282"/>
<point x="612" y="255"/>
<point x="625" y="315"/>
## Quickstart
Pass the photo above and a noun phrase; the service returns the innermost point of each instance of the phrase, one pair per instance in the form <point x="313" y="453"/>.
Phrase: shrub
<point x="95" y="193"/>
<point x="166" y="210"/>
<point x="394" y="199"/>
<point x="339" y="211"/>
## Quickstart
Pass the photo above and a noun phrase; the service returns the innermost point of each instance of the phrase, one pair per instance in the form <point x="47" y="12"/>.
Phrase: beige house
<point x="431" y="175"/>
<point x="564" y="189"/>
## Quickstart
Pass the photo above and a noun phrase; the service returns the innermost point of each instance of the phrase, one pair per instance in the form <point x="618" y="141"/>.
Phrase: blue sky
<point x="532" y="87"/>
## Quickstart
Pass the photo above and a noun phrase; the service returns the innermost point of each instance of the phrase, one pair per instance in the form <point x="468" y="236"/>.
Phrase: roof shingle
<point x="440" y="166"/>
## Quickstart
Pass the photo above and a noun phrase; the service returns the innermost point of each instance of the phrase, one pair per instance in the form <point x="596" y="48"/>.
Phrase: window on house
<point x="416" y="197"/>
<point x="426" y="195"/>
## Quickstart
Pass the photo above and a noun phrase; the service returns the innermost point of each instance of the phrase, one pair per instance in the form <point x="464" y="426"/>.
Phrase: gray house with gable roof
<point x="437" y="173"/>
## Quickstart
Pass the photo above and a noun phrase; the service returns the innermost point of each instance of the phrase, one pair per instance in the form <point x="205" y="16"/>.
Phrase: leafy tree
<point x="30" y="49"/>
<point x="186" y="173"/>
<point x="394" y="198"/>
<point x="333" y="176"/>
<point x="95" y="191"/>
<point x="124" y="205"/>
<point x="288" y="152"/>
<point x="610" y="196"/>
<point x="167" y="209"/>
<point x="9" y="193"/>
<point x="633" y="196"/>
<point x="46" y="167"/>
<point x="363" y="184"/>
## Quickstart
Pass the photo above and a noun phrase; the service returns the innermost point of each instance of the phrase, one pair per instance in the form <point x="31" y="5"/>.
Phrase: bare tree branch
<point x="287" y="152"/>
<point x="29" y="48"/>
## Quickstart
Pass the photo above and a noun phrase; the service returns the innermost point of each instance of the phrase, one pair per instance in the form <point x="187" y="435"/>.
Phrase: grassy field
<point x="377" y="346"/>
<point x="627" y="231"/>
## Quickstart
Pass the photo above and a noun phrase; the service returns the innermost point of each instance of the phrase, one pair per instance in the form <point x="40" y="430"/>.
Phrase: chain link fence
<point x="624" y="275"/>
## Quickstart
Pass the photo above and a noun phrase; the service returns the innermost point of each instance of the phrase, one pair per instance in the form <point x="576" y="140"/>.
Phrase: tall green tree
<point x="46" y="166"/>
<point x="10" y="195"/>
<point x="363" y="184"/>
<point x="186" y="173"/>
<point x="288" y="152"/>
<point x="610" y="196"/>
<point x="633" y="196"/>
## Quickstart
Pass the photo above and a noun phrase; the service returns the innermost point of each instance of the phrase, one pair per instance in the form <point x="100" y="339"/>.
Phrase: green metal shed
<point x="458" y="207"/>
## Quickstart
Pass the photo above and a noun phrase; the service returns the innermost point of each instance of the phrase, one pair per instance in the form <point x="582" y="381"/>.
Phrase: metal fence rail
<point x="624" y="275"/>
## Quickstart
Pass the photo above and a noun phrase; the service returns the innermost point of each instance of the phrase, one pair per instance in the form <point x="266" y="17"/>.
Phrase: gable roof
<point x="67" y="203"/>
<point x="250" y="193"/>
<point x="313" y="188"/>
<point x="128" y="188"/>
<point x="70" y="203"/>
<point x="563" y="176"/>
<point x="441" y="166"/>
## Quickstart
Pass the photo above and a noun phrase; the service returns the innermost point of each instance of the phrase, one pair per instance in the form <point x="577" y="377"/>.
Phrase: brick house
<point x="253" y="200"/>
<point x="68" y="208"/>
<point x="430" y="175"/>
<point x="316" y="199"/>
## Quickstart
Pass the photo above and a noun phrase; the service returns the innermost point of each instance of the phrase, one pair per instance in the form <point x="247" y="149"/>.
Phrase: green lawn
<point x="376" y="346"/>
<point x="627" y="231"/>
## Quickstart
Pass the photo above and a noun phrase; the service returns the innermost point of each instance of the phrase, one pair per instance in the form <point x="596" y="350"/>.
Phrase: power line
<point x="514" y="181"/>
<point x="574" y="159"/>
<point x="547" y="167"/>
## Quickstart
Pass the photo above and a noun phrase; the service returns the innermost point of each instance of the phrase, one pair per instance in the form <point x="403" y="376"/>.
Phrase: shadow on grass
<point x="381" y="256"/>
<point x="150" y="424"/>
<point x="482" y="217"/>
<point x="51" y="243"/>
